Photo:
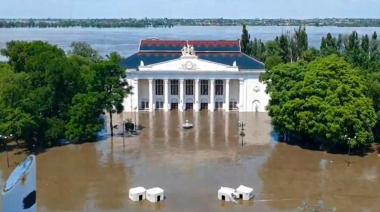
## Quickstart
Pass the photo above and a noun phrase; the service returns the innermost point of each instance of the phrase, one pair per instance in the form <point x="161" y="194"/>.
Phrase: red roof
<point x="199" y="45"/>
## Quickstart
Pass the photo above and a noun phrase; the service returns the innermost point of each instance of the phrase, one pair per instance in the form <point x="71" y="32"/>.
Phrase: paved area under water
<point x="191" y="165"/>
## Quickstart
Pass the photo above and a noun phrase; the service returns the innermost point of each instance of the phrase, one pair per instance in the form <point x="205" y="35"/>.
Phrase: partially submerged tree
<point x="109" y="81"/>
<point x="45" y="95"/>
<point x="321" y="102"/>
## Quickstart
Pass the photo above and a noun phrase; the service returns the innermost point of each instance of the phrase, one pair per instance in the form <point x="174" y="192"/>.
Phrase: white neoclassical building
<point x="194" y="75"/>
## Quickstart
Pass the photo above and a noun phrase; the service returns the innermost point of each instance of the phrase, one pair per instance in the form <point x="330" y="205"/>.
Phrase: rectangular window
<point x="189" y="87"/>
<point x="204" y="87"/>
<point x="159" y="87"/>
<point x="173" y="87"/>
<point x="218" y="87"/>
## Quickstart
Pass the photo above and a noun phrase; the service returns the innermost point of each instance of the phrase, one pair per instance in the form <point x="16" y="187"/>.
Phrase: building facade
<point x="194" y="75"/>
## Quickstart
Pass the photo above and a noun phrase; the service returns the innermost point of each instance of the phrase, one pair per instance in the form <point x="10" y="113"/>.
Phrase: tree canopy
<point x="323" y="96"/>
<point x="46" y="95"/>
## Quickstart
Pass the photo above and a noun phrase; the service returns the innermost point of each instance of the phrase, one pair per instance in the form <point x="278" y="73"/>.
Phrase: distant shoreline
<point x="168" y="23"/>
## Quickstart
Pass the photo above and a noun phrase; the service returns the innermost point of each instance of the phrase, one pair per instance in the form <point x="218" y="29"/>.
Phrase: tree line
<point x="47" y="94"/>
<point x="86" y="23"/>
<point x="326" y="98"/>
<point x="165" y="22"/>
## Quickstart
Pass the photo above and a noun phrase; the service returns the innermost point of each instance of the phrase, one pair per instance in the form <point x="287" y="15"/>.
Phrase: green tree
<point x="272" y="49"/>
<point x="258" y="49"/>
<point x="300" y="41"/>
<point x="365" y="43"/>
<point x="321" y="102"/>
<point x="310" y="55"/>
<point x="84" y="121"/>
<point x="286" y="50"/>
<point x="109" y="80"/>
<point x="329" y="45"/>
<point x="85" y="50"/>
<point x="245" y="41"/>
<point x="40" y="87"/>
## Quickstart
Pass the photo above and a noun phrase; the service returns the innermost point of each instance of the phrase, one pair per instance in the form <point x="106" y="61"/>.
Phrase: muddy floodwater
<point x="191" y="165"/>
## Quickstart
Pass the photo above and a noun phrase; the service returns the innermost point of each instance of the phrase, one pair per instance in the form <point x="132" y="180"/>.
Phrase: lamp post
<point x="238" y="107"/>
<point x="241" y="124"/>
<point x="5" y="138"/>
<point x="349" y="149"/>
<point x="123" y="126"/>
<point x="135" y="118"/>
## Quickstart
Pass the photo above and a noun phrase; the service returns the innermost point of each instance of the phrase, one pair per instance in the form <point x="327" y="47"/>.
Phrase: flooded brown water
<point x="191" y="165"/>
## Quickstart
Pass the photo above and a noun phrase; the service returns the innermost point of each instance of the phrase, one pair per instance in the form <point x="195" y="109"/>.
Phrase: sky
<point x="234" y="9"/>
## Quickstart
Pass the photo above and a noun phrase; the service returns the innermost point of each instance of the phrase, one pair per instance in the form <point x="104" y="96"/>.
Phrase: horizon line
<point x="198" y="18"/>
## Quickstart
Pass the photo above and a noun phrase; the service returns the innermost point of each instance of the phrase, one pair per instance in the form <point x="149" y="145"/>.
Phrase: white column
<point x="227" y="96"/>
<point x="212" y="95"/>
<point x="166" y="95"/>
<point x="136" y="95"/>
<point x="196" y="103"/>
<point x="151" y="103"/>
<point x="181" y="103"/>
<point x="241" y="95"/>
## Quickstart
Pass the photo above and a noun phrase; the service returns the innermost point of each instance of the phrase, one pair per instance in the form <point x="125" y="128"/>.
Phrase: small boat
<point x="187" y="125"/>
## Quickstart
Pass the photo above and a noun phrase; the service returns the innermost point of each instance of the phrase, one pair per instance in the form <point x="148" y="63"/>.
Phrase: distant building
<point x="194" y="75"/>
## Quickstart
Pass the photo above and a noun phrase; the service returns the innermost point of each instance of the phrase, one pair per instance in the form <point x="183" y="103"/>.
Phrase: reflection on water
<point x="291" y="172"/>
<point x="191" y="165"/>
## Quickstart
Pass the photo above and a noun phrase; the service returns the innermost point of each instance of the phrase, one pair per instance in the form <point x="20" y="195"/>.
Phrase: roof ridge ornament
<point x="188" y="50"/>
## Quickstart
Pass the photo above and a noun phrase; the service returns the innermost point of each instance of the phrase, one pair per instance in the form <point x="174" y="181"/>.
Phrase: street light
<point x="135" y="118"/>
<point x="349" y="149"/>
<point x="238" y="107"/>
<point x="6" y="145"/>
<point x="241" y="124"/>
<point x="123" y="126"/>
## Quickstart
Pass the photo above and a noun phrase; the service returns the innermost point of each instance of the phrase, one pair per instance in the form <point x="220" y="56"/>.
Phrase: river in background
<point x="191" y="165"/>
<point x="126" y="40"/>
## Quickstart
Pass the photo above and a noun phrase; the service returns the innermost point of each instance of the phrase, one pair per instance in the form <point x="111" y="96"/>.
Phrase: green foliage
<point x="258" y="49"/>
<point x="85" y="50"/>
<point x="321" y="102"/>
<point x="109" y="81"/>
<point x="329" y="45"/>
<point x="46" y="95"/>
<point x="244" y="42"/>
<point x="310" y="54"/>
<point x="84" y="121"/>
<point x="272" y="61"/>
<point x="321" y="96"/>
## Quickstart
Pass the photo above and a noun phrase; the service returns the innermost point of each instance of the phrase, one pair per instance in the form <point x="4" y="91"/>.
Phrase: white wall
<point x="189" y="63"/>
<point x="253" y="98"/>
<point x="250" y="96"/>
<point x="234" y="89"/>
<point x="130" y="101"/>
<point x="144" y="90"/>
<point x="204" y="70"/>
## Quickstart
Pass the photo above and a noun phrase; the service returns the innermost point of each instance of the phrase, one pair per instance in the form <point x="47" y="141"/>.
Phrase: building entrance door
<point x="204" y="106"/>
<point x="219" y="104"/>
<point x="174" y="106"/>
<point x="189" y="106"/>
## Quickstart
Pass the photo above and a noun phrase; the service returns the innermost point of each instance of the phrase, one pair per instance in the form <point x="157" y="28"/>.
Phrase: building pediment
<point x="188" y="63"/>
